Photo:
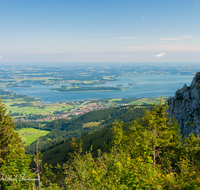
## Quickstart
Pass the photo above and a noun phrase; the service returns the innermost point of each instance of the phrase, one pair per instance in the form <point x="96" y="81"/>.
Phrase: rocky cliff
<point x="185" y="107"/>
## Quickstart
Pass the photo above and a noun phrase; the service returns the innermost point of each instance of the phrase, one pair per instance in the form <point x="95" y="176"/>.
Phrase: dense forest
<point x="151" y="154"/>
<point x="63" y="129"/>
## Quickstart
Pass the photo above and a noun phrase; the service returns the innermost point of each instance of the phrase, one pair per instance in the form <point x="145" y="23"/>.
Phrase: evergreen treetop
<point x="14" y="164"/>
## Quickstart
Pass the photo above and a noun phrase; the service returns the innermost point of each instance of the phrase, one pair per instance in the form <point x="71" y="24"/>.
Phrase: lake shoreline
<point x="148" y="86"/>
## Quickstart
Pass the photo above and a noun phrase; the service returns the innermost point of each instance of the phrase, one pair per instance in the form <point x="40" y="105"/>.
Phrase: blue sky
<point x="132" y="31"/>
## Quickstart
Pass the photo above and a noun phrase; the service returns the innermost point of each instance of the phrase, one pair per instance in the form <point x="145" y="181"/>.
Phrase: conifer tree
<point x="162" y="132"/>
<point x="157" y="136"/>
<point x="14" y="164"/>
<point x="8" y="137"/>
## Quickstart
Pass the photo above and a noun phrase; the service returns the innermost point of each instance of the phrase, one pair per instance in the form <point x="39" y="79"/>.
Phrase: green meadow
<point x="149" y="101"/>
<point x="91" y="124"/>
<point x="35" y="108"/>
<point x="29" y="135"/>
<point x="115" y="99"/>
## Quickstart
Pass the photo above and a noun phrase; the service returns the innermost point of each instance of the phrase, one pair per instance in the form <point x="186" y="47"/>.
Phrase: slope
<point x="97" y="139"/>
<point x="63" y="130"/>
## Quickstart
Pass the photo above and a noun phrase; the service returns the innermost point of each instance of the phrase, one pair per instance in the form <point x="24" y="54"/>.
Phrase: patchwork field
<point x="115" y="99"/>
<point x="35" y="108"/>
<point x="150" y="101"/>
<point x="24" y="108"/>
<point x="29" y="135"/>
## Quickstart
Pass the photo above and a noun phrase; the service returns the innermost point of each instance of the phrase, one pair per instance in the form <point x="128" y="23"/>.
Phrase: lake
<point x="147" y="86"/>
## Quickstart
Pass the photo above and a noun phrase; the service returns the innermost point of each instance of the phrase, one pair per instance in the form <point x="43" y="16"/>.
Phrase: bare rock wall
<point x="185" y="107"/>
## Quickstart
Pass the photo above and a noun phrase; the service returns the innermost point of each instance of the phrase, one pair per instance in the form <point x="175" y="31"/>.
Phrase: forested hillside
<point x="98" y="140"/>
<point x="151" y="154"/>
<point x="63" y="129"/>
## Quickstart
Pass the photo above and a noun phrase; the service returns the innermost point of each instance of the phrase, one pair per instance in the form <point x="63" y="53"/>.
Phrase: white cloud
<point x="175" y="48"/>
<point x="33" y="58"/>
<point x="143" y="17"/>
<point x="196" y="3"/>
<point x="0" y="57"/>
<point x="136" y="47"/>
<point x="126" y="38"/>
<point x="103" y="34"/>
<point x="177" y="38"/>
<point x="160" y="55"/>
<point x="170" y="39"/>
<point x="186" y="36"/>
<point x="88" y="56"/>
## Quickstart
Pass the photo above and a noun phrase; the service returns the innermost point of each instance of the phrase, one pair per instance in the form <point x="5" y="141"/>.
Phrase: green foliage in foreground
<point x="14" y="164"/>
<point x="150" y="155"/>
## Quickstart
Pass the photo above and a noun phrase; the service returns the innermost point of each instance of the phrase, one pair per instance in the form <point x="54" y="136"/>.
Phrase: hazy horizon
<point x="99" y="64"/>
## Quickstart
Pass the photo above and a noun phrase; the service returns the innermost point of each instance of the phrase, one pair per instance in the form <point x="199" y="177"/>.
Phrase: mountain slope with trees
<point x="150" y="155"/>
<point x="63" y="129"/>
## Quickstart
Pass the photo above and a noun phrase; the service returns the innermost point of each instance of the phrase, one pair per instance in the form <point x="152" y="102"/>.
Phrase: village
<point x="77" y="111"/>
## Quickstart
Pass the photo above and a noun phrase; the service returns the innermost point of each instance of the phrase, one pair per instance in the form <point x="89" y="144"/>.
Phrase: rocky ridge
<point x="185" y="107"/>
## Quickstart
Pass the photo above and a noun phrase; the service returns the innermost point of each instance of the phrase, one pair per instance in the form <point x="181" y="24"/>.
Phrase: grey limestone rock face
<point x="185" y="107"/>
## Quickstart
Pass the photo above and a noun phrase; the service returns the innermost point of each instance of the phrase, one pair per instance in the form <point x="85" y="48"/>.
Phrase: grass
<point x="149" y="101"/>
<point x="91" y="124"/>
<point x="32" y="134"/>
<point x="115" y="99"/>
<point x="36" y="108"/>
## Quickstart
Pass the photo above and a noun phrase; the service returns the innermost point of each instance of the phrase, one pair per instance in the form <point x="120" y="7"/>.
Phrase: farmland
<point x="25" y="109"/>
<point x="29" y="135"/>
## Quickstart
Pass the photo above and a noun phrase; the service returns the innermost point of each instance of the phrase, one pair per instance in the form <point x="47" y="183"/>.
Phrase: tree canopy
<point x="152" y="154"/>
<point x="14" y="164"/>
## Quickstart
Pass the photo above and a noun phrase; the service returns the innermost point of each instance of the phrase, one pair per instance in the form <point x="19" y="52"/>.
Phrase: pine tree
<point x="8" y="137"/>
<point x="158" y="136"/>
<point x="162" y="132"/>
<point x="14" y="164"/>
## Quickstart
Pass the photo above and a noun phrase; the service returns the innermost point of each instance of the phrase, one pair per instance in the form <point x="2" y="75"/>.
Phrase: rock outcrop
<point x="185" y="107"/>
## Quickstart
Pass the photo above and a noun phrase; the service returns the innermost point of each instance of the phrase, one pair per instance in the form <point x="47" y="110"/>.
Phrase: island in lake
<point x="84" y="89"/>
<point x="10" y="85"/>
<point x="132" y="84"/>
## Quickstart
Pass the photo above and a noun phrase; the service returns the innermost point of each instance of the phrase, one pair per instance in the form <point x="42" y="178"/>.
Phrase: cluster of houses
<point x="72" y="113"/>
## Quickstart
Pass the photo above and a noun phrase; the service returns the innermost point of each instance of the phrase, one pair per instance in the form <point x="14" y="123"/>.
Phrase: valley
<point x="84" y="113"/>
<point x="29" y="112"/>
<point x="25" y="108"/>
